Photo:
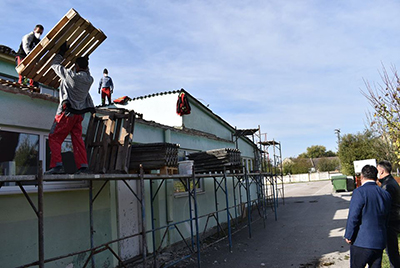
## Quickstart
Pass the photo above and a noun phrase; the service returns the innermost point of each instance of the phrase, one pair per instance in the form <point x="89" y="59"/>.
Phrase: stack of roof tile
<point x="154" y="156"/>
<point x="216" y="160"/>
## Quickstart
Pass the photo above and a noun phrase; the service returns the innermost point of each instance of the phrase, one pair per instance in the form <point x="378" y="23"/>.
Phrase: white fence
<point x="316" y="176"/>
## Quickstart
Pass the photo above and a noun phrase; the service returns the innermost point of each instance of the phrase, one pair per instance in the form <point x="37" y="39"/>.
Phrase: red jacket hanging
<point x="182" y="106"/>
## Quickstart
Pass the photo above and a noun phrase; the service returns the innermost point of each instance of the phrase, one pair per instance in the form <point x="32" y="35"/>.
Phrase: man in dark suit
<point x="367" y="220"/>
<point x="389" y="184"/>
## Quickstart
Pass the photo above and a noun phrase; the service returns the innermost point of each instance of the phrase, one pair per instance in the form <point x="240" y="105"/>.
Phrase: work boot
<point x="55" y="170"/>
<point x="83" y="170"/>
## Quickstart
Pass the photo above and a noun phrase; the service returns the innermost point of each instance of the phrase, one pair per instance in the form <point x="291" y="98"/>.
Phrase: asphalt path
<point x="308" y="233"/>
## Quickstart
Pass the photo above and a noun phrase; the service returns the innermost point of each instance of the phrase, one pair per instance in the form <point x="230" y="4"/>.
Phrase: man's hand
<point x="64" y="47"/>
<point x="348" y="241"/>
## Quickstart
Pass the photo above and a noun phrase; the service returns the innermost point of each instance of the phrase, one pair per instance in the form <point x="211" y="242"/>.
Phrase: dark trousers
<point x="392" y="247"/>
<point x="360" y="257"/>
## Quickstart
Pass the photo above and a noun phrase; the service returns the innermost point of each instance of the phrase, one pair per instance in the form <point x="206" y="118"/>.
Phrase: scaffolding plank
<point x="78" y="32"/>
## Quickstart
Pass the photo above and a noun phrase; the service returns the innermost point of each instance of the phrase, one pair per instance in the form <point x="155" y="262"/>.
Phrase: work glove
<point x="63" y="48"/>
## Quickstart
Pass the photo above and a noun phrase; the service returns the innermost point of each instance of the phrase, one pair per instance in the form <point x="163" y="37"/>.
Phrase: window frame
<point x="48" y="186"/>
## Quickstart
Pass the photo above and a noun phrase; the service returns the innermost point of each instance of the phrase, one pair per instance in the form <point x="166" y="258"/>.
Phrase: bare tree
<point x="385" y="100"/>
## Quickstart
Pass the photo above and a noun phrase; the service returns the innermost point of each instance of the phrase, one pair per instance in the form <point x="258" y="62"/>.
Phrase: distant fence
<point x="316" y="176"/>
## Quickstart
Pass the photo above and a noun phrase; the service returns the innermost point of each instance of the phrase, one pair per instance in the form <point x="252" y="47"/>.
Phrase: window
<point x="19" y="153"/>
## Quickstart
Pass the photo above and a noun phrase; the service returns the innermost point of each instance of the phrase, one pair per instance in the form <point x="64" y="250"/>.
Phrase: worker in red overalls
<point x="107" y="88"/>
<point x="29" y="41"/>
<point x="75" y="101"/>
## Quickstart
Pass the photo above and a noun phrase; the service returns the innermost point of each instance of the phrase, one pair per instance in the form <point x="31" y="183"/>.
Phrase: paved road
<point x="309" y="230"/>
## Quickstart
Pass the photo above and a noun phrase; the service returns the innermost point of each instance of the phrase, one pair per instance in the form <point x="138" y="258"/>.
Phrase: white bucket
<point x="185" y="167"/>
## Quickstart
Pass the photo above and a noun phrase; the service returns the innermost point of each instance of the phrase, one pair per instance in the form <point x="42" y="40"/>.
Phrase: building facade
<point x="25" y="121"/>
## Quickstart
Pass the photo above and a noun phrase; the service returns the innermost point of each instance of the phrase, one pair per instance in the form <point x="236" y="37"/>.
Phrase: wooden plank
<point x="126" y="138"/>
<point x="83" y="37"/>
<point x="51" y="78"/>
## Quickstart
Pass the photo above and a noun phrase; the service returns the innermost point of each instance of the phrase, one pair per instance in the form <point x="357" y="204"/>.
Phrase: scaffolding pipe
<point x="142" y="204"/>
<point x="153" y="225"/>
<point x="248" y="200"/>
<point x="196" y="216"/>
<point x="216" y="203"/>
<point x="228" y="218"/>
<point x="91" y="221"/>
<point x="40" y="216"/>
<point x="242" y="180"/>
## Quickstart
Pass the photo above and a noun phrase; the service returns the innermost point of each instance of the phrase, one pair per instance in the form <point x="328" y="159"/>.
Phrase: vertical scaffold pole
<point x="40" y="216"/>
<point x="274" y="194"/>
<point x="188" y="180"/>
<point x="153" y="225"/>
<point x="234" y="199"/>
<point x="228" y="218"/>
<point x="91" y="219"/>
<point x="196" y="218"/>
<point x="248" y="201"/>
<point x="142" y="203"/>
<point x="216" y="203"/>
<point x="281" y="173"/>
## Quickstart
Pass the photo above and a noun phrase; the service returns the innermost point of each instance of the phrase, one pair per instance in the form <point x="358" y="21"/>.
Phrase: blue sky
<point x="295" y="68"/>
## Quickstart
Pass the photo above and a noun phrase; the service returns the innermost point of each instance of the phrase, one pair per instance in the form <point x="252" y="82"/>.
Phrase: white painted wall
<point x="317" y="176"/>
<point x="160" y="109"/>
<point x="129" y="219"/>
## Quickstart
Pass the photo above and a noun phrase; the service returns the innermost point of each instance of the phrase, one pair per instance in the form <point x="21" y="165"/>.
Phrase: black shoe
<point x="83" y="170"/>
<point x="55" y="170"/>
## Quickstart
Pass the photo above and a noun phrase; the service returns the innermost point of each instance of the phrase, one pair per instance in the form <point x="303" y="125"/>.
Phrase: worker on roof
<point x="29" y="41"/>
<point x="75" y="101"/>
<point x="107" y="88"/>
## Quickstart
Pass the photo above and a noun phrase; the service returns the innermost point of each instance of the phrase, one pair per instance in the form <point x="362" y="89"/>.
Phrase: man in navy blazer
<point x="367" y="221"/>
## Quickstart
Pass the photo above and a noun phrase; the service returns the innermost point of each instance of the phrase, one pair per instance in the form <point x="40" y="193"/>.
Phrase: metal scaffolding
<point x="238" y="215"/>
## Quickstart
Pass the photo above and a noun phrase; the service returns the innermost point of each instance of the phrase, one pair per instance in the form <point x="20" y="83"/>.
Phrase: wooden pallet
<point x="108" y="140"/>
<point x="81" y="36"/>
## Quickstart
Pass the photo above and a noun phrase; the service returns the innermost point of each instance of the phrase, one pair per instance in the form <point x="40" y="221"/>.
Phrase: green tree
<point x="297" y="165"/>
<point x="317" y="151"/>
<point x="358" y="146"/>
<point x="328" y="164"/>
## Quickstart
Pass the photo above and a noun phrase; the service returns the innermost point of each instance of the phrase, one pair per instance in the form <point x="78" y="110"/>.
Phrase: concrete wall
<point x="7" y="65"/>
<point x="202" y="119"/>
<point x="66" y="225"/>
<point x="309" y="177"/>
<point x="171" y="207"/>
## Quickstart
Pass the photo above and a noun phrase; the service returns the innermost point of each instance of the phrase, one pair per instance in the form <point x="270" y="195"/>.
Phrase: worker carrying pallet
<point x="106" y="86"/>
<point x="29" y="41"/>
<point x="75" y="101"/>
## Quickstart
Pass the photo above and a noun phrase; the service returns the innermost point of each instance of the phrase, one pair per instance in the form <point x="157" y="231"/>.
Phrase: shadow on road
<point x="309" y="230"/>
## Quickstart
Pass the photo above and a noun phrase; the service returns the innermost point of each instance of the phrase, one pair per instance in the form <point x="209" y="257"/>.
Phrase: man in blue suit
<point x="367" y="221"/>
